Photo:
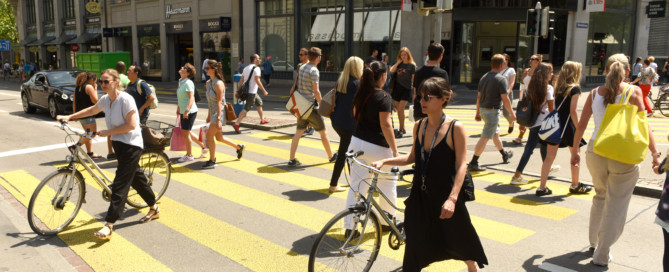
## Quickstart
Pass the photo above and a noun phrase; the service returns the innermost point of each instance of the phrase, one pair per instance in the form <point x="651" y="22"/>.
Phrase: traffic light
<point x="547" y="21"/>
<point x="428" y="4"/>
<point x="532" y="24"/>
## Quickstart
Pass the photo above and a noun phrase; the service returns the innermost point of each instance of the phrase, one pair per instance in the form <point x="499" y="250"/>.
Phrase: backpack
<point x="154" y="103"/>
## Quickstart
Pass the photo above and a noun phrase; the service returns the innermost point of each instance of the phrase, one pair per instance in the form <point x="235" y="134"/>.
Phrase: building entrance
<point x="183" y="51"/>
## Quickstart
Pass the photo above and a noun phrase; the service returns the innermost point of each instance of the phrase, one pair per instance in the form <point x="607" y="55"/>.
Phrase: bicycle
<point x="57" y="199"/>
<point x="356" y="249"/>
<point x="661" y="102"/>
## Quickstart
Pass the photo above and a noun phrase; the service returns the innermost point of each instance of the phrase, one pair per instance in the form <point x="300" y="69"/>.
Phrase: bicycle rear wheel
<point x="343" y="249"/>
<point x="663" y="104"/>
<point x="49" y="213"/>
<point x="157" y="170"/>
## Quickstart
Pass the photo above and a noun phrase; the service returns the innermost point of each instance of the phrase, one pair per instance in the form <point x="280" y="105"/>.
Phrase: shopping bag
<point x="238" y="106"/>
<point x="623" y="133"/>
<point x="327" y="105"/>
<point x="177" y="142"/>
<point x="410" y="115"/>
<point x="299" y="106"/>
<point x="202" y="137"/>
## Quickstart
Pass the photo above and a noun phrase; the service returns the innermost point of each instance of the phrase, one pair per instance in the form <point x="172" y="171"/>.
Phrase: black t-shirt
<point x="421" y="75"/>
<point x="369" y="125"/>
<point x="491" y="87"/>
<point x="566" y="106"/>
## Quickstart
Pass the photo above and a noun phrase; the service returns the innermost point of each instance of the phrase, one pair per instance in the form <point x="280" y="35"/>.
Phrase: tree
<point x="8" y="27"/>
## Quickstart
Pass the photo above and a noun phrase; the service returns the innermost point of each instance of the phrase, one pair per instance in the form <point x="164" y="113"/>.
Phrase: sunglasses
<point x="535" y="59"/>
<point x="101" y="82"/>
<point x="301" y="55"/>
<point x="427" y="97"/>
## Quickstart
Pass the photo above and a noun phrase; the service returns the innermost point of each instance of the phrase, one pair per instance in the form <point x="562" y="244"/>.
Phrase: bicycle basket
<point x="157" y="134"/>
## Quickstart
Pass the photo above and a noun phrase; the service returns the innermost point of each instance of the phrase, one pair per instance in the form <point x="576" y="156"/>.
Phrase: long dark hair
<point x="368" y="84"/>
<point x="82" y="78"/>
<point x="539" y="85"/>
<point x="213" y="64"/>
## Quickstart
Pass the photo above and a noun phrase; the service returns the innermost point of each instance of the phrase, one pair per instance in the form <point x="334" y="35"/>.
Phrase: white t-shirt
<point x="253" y="86"/>
<point x="544" y="107"/>
<point x="654" y="66"/>
<point x="510" y="75"/>
<point x="115" y="114"/>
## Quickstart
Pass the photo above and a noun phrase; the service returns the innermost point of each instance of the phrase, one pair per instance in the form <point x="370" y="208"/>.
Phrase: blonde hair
<point x="409" y="57"/>
<point x="651" y="59"/>
<point x="616" y="66"/>
<point x="352" y="68"/>
<point x="114" y="74"/>
<point x="569" y="77"/>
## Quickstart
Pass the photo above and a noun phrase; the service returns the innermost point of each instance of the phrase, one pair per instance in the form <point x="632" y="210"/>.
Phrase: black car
<point x="52" y="91"/>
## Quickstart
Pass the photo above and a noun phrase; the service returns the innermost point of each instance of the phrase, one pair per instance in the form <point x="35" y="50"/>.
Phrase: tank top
<point x="211" y="95"/>
<point x="82" y="99"/>
<point x="598" y="110"/>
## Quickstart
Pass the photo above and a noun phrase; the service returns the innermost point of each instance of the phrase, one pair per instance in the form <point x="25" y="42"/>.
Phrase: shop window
<point x="216" y="46"/>
<point x="149" y="55"/>
<point x="609" y="34"/>
<point x="276" y="38"/>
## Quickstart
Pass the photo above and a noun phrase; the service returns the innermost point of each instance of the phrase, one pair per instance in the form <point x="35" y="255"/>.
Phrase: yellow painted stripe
<point x="484" y="228"/>
<point x="270" y="136"/>
<point x="557" y="188"/>
<point x="220" y="236"/>
<point x="498" y="200"/>
<point x="79" y="235"/>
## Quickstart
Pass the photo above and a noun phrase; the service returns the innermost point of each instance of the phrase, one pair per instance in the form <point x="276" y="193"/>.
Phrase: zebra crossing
<point x="216" y="213"/>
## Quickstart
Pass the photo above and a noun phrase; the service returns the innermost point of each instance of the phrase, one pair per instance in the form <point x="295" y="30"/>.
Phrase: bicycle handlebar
<point x="395" y="171"/>
<point x="64" y="126"/>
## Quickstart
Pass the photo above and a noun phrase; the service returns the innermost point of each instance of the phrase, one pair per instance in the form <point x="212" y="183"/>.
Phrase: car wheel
<point x="53" y="108"/>
<point x="27" y="108"/>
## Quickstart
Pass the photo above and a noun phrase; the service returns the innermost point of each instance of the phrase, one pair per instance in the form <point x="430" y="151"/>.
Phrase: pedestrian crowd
<point x="366" y="95"/>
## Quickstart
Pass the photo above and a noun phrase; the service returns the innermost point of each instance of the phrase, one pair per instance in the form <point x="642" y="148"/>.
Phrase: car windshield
<point x="62" y="77"/>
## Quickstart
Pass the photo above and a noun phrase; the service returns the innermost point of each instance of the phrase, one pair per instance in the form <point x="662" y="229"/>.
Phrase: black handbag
<point x="467" y="189"/>
<point x="526" y="115"/>
<point x="243" y="92"/>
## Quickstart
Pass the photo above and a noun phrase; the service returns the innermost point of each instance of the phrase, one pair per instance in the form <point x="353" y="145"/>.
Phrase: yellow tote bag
<point x="623" y="134"/>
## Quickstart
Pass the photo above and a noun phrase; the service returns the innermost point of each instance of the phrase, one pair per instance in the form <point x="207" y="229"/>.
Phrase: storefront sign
<point x="48" y="25"/>
<point x="122" y="31"/>
<point x="33" y="49"/>
<point x="70" y="22"/>
<point x="171" y="11"/>
<point x="581" y="25"/>
<point x="75" y="48"/>
<point x="148" y="30"/>
<point x="31" y="27"/>
<point x="226" y="24"/>
<point x="595" y="5"/>
<point x="178" y="28"/>
<point x="93" y="20"/>
<point x="93" y="7"/>
<point x="210" y="25"/>
<point x="656" y="9"/>
<point x="52" y="48"/>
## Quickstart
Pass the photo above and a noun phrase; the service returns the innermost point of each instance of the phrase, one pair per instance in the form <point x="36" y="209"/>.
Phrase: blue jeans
<point x="532" y="141"/>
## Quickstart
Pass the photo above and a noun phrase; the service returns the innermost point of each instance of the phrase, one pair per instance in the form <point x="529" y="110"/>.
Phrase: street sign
<point x="5" y="45"/>
<point x="75" y="48"/>
<point x="656" y="9"/>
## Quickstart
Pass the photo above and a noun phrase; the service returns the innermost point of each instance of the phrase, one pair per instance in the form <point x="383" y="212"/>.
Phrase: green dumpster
<point x="99" y="61"/>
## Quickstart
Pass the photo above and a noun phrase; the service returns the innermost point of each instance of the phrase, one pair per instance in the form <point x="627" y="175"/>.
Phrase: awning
<point x="378" y="27"/>
<point x="25" y="42"/>
<point x="61" y="40"/>
<point x="42" y="41"/>
<point x="85" y="38"/>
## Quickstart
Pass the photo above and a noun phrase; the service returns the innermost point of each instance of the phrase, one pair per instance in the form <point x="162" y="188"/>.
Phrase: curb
<point x="639" y="190"/>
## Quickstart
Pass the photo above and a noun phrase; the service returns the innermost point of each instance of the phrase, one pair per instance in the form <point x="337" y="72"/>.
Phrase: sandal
<point x="93" y="155"/>
<point x="104" y="233"/>
<point x="153" y="214"/>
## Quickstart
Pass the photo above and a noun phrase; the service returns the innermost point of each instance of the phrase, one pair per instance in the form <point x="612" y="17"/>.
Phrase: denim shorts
<point x="187" y="123"/>
<point x="490" y="119"/>
<point x="87" y="121"/>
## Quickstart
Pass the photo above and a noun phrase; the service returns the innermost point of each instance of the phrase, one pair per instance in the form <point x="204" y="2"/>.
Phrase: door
<point x="40" y="90"/>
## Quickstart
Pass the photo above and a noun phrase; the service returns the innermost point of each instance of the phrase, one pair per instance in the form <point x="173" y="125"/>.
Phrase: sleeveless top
<point x="598" y="110"/>
<point x="212" y="100"/>
<point x="82" y="99"/>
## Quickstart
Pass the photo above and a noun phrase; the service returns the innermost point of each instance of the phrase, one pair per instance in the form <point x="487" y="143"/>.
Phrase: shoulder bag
<point x="623" y="133"/>
<point x="467" y="189"/>
<point x="525" y="113"/>
<point x="327" y="105"/>
<point x="243" y="92"/>
<point x="551" y="131"/>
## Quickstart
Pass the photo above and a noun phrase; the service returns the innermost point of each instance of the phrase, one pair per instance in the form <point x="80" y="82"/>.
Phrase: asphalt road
<point x="257" y="214"/>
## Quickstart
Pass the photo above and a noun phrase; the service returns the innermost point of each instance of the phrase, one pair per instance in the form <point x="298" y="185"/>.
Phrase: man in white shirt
<point x="252" y="72"/>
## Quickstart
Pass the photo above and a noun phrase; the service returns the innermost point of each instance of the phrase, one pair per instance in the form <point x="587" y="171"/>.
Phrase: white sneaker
<point x="186" y="158"/>
<point x="205" y="151"/>
<point x="554" y="168"/>
<point x="518" y="181"/>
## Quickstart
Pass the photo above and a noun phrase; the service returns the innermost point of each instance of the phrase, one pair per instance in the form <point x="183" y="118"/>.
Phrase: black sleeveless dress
<point x="430" y="239"/>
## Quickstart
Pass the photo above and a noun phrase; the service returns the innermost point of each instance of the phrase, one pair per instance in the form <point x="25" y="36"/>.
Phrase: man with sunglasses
<point x="435" y="53"/>
<point x="143" y="99"/>
<point x="493" y="92"/>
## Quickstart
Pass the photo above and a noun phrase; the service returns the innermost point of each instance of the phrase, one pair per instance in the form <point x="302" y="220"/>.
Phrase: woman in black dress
<point x="437" y="223"/>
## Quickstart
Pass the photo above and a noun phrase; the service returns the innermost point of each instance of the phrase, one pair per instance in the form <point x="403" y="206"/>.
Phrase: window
<point x="276" y="29"/>
<point x="30" y="12"/>
<point x="68" y="9"/>
<point x="47" y="5"/>
<point x="609" y="33"/>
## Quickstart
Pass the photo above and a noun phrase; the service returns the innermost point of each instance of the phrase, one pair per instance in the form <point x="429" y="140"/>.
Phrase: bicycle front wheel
<point x="342" y="249"/>
<point x="49" y="212"/>
<point x="663" y="104"/>
<point x="156" y="168"/>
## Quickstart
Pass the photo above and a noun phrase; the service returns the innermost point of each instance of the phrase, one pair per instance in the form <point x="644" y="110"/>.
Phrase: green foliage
<point x="8" y="27"/>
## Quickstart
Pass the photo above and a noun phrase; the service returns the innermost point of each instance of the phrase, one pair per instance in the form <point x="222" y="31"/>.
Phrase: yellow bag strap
<point x="626" y="98"/>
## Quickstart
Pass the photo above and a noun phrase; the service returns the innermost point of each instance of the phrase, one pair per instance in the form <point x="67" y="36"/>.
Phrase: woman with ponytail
<point x="614" y="181"/>
<point x="373" y="135"/>
<point x="216" y="117"/>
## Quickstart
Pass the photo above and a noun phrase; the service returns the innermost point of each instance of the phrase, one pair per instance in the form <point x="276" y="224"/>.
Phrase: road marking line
<point x="554" y="268"/>
<point x="484" y="197"/>
<point x="79" y="236"/>
<point x="14" y="95"/>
